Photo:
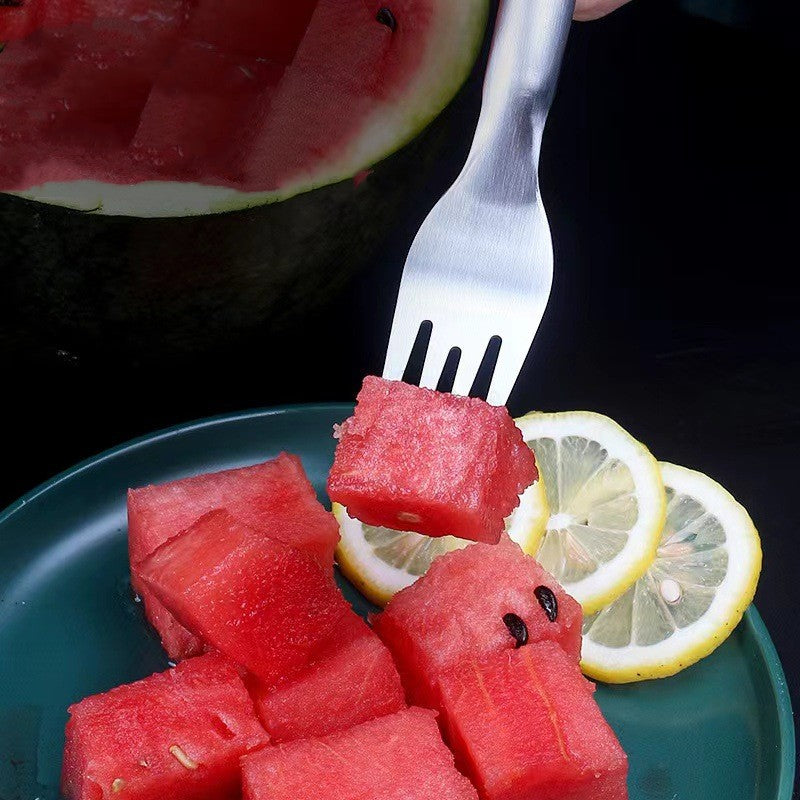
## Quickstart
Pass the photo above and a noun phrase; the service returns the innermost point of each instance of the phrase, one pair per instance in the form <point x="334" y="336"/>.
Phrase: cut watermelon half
<point x="275" y="497"/>
<point x="269" y="607"/>
<point x="458" y="610"/>
<point x="108" y="104"/>
<point x="354" y="681"/>
<point x="397" y="757"/>
<point x="412" y="459"/>
<point x="524" y="724"/>
<point x="177" y="734"/>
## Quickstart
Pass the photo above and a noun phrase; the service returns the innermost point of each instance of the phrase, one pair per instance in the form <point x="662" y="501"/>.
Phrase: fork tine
<point x="471" y="358"/>
<point x="509" y="364"/>
<point x="405" y="328"/>
<point x="438" y="350"/>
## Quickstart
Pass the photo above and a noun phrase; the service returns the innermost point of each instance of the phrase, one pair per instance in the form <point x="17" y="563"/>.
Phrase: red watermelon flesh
<point x="71" y="92"/>
<point x="267" y="606"/>
<point x="524" y="723"/>
<point x="398" y="757"/>
<point x="186" y="112"/>
<point x="21" y="18"/>
<point x="275" y="497"/>
<point x="177" y="735"/>
<point x="430" y="462"/>
<point x="354" y="681"/>
<point x="290" y="87"/>
<point x="455" y="611"/>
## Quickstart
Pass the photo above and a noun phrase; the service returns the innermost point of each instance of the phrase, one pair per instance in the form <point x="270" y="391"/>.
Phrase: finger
<point x="586" y="10"/>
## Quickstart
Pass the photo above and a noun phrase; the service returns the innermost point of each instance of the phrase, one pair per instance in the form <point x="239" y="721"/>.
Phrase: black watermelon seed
<point x="547" y="600"/>
<point x="11" y="3"/>
<point x="517" y="628"/>
<point x="387" y="18"/>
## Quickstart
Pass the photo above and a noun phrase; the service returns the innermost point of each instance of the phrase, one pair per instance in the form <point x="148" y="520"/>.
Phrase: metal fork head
<point x="475" y="274"/>
<point x="481" y="265"/>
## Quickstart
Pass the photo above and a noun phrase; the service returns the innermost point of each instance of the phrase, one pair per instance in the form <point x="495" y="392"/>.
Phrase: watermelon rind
<point x="454" y="43"/>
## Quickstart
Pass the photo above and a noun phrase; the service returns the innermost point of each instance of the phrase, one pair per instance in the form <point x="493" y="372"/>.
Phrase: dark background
<point x="668" y="170"/>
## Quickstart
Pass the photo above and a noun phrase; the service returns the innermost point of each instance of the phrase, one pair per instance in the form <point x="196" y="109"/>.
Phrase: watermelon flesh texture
<point x="455" y="612"/>
<point x="177" y="735"/>
<point x="524" y="723"/>
<point x="397" y="757"/>
<point x="430" y="462"/>
<point x="269" y="607"/>
<point x="286" y="87"/>
<point x="275" y="497"/>
<point x="353" y="682"/>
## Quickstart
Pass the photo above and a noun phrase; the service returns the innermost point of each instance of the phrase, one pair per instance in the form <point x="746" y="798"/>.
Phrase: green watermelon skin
<point x="274" y="497"/>
<point x="435" y="463"/>
<point x="354" y="681"/>
<point x="269" y="607"/>
<point x="397" y="757"/>
<point x="192" y="290"/>
<point x="524" y="723"/>
<point x="455" y="612"/>
<point x="118" y="743"/>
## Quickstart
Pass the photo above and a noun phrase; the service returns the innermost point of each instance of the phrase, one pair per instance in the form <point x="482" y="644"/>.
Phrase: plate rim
<point x="752" y="618"/>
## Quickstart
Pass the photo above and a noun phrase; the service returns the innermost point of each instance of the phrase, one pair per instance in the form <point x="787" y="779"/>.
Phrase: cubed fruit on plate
<point x="397" y="757"/>
<point x="354" y="681"/>
<point x="434" y="463"/>
<point x="275" y="498"/>
<point x="524" y="724"/>
<point x="178" y="734"/>
<point x="267" y="606"/>
<point x="460" y="609"/>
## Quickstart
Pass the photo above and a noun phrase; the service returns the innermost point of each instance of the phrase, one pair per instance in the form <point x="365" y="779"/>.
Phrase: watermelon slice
<point x="524" y="724"/>
<point x="178" y="734"/>
<point x="456" y="611"/>
<point x="293" y="95"/>
<point x="353" y="682"/>
<point x="275" y="497"/>
<point x="412" y="459"/>
<point x="269" y="607"/>
<point x="398" y="757"/>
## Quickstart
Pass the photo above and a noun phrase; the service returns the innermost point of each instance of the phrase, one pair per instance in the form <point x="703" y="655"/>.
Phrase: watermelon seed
<point x="384" y="16"/>
<point x="182" y="758"/>
<point x="118" y="785"/>
<point x="11" y="3"/>
<point x="517" y="628"/>
<point x="547" y="600"/>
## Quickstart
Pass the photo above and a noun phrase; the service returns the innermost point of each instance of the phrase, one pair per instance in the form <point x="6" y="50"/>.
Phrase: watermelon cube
<point x="524" y="723"/>
<point x="414" y="459"/>
<point x="457" y="610"/>
<point x="353" y="682"/>
<point x="178" y="734"/>
<point x="275" y="497"/>
<point x="269" y="607"/>
<point x="398" y="757"/>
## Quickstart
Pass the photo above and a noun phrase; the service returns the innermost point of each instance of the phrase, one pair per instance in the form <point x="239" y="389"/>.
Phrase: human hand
<point x="594" y="9"/>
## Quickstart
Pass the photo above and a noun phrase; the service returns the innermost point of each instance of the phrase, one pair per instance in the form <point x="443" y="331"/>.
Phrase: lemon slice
<point x="692" y="596"/>
<point x="606" y="502"/>
<point x="380" y="561"/>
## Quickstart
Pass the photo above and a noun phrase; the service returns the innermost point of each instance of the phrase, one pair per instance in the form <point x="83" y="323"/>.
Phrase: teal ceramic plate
<point x="69" y="627"/>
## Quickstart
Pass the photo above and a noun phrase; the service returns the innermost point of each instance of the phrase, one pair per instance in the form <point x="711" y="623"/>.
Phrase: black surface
<point x="668" y="169"/>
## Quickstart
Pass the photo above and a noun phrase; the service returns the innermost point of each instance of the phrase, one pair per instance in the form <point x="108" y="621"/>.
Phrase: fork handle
<point x="521" y="77"/>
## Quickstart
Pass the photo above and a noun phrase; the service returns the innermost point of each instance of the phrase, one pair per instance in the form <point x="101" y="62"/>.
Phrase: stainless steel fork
<point x="482" y="263"/>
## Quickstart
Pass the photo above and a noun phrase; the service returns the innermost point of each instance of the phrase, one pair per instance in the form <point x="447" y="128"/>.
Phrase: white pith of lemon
<point x="381" y="562"/>
<point x="606" y="501"/>
<point x="691" y="597"/>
